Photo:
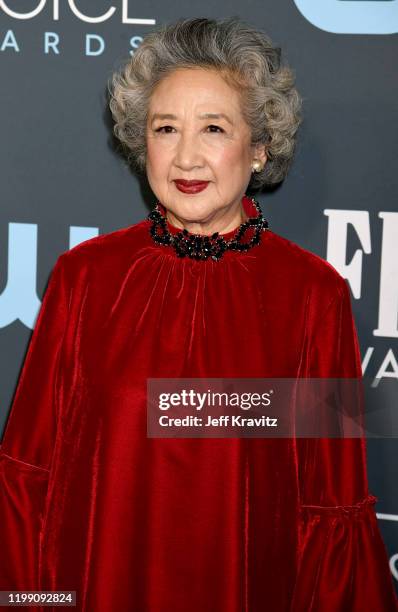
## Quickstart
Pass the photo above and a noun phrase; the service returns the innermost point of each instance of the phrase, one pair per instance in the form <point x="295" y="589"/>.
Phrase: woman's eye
<point x="163" y="127"/>
<point x="216" y="126"/>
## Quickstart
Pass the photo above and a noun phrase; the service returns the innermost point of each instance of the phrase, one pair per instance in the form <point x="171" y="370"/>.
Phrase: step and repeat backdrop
<point x="63" y="180"/>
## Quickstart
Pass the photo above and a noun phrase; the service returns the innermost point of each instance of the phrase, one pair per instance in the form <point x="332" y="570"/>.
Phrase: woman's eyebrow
<point x="163" y="116"/>
<point x="203" y="116"/>
<point x="215" y="116"/>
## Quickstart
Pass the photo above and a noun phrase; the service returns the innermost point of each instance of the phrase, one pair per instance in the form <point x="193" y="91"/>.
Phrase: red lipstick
<point x="190" y="186"/>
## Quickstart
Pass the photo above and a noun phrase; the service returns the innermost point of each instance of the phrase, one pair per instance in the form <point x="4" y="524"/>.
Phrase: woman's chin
<point x="191" y="210"/>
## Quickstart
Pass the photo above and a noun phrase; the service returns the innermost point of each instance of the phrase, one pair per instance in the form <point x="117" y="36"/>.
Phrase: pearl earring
<point x="257" y="166"/>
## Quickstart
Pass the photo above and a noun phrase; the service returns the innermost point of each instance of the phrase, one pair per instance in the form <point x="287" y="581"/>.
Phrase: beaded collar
<point x="198" y="246"/>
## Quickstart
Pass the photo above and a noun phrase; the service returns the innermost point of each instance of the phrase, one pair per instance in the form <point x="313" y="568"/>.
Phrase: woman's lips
<point x="191" y="186"/>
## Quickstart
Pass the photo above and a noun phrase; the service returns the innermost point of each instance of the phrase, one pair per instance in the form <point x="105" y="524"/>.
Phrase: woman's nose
<point x="188" y="151"/>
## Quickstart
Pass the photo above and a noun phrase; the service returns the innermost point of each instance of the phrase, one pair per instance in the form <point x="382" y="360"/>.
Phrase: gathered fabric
<point x="90" y="503"/>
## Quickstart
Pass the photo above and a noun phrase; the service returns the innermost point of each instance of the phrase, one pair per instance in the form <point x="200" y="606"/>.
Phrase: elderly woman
<point x="200" y="288"/>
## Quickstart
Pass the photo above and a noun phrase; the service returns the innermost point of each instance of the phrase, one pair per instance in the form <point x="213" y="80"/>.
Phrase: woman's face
<point x="186" y="145"/>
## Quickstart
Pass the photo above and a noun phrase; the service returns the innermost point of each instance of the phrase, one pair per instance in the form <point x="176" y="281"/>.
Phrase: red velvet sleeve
<point x="28" y="440"/>
<point x="343" y="561"/>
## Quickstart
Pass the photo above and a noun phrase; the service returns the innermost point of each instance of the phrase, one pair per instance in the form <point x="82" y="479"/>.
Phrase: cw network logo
<point x="351" y="16"/>
<point x="19" y="298"/>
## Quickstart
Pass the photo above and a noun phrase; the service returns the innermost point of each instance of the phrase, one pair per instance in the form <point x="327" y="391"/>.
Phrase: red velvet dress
<point x="89" y="503"/>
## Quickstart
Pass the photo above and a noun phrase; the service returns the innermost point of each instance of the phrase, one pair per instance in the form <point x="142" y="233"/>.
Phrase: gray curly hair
<point x="243" y="56"/>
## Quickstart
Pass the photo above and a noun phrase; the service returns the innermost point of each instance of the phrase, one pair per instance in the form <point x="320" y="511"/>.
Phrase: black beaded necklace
<point x="197" y="246"/>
